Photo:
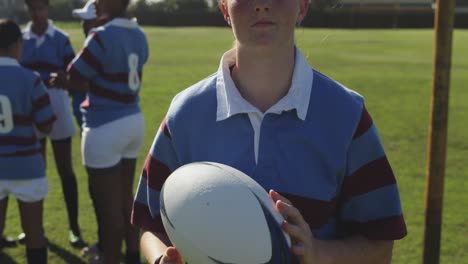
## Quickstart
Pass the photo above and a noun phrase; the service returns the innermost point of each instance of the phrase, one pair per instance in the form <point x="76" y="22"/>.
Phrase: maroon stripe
<point x="22" y="153"/>
<point x="68" y="59"/>
<point x="155" y="173"/>
<point x="315" y="212"/>
<point x="41" y="102"/>
<point x="372" y="176"/>
<point x="364" y="124"/>
<point x="118" y="77"/>
<point x="98" y="40"/>
<point x="141" y="217"/>
<point x="42" y="66"/>
<point x="22" y="120"/>
<point x="165" y="129"/>
<point x="67" y="43"/>
<point x="46" y="123"/>
<point x="20" y="141"/>
<point x="89" y="58"/>
<point x="113" y="95"/>
<point x="389" y="228"/>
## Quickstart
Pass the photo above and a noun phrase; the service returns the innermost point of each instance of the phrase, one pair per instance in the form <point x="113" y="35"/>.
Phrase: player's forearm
<point x="152" y="245"/>
<point x="357" y="250"/>
<point x="76" y="83"/>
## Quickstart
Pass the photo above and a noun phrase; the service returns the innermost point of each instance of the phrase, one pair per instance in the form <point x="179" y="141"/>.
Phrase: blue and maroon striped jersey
<point x="331" y="166"/>
<point x="112" y="60"/>
<point x="45" y="54"/>
<point x="24" y="103"/>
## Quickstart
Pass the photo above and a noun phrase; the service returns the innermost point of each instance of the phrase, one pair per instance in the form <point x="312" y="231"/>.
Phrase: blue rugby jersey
<point x="24" y="103"/>
<point x="331" y="165"/>
<point x="112" y="60"/>
<point x="45" y="54"/>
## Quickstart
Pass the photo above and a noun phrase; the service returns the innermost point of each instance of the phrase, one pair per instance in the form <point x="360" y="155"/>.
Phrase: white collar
<point x="231" y="102"/>
<point x="7" y="61"/>
<point x="123" y="22"/>
<point x="29" y="34"/>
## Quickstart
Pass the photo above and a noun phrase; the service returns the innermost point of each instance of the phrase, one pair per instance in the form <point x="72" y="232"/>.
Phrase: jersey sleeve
<point x="160" y="163"/>
<point x="42" y="112"/>
<point x="370" y="198"/>
<point x="89" y="62"/>
<point x="68" y="54"/>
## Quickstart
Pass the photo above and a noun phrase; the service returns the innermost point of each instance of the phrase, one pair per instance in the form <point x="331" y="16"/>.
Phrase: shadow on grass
<point x="62" y="253"/>
<point x="6" y="259"/>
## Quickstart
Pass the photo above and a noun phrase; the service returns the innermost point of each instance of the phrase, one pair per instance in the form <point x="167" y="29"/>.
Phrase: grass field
<point x="391" y="68"/>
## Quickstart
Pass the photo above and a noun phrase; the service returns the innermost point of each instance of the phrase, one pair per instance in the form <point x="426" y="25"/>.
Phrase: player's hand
<point x="58" y="80"/>
<point x="294" y="224"/>
<point x="171" y="256"/>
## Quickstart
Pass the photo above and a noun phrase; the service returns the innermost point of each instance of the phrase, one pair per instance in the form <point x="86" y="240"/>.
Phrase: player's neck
<point x="264" y="78"/>
<point x="38" y="29"/>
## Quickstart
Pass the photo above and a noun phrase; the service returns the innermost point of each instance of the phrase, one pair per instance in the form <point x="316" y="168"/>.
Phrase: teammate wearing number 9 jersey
<point x="111" y="62"/>
<point x="24" y="103"/>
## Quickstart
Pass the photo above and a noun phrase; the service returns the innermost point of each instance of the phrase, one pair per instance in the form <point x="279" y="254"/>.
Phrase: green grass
<point x="391" y="68"/>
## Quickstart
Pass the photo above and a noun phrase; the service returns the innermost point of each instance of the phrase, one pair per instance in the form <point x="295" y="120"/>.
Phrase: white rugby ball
<point x="214" y="213"/>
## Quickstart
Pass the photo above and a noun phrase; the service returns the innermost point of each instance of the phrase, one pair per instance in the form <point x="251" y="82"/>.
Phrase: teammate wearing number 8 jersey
<point x="24" y="103"/>
<point x="111" y="62"/>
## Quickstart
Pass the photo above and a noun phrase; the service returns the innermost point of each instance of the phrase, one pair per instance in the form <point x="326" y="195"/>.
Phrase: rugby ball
<point x="214" y="213"/>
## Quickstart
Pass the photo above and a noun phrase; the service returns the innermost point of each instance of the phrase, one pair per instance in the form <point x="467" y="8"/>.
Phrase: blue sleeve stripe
<point x="363" y="150"/>
<point x="94" y="36"/>
<point x="380" y="203"/>
<point x="142" y="189"/>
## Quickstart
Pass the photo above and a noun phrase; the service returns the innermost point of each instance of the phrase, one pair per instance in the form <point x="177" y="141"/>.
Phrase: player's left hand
<point x="294" y="224"/>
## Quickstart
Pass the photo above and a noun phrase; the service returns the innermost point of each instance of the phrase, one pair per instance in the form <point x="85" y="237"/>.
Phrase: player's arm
<point x="87" y="64"/>
<point x="76" y="82"/>
<point x="58" y="79"/>
<point x="356" y="249"/>
<point x="370" y="209"/>
<point x="43" y="114"/>
<point x="154" y="245"/>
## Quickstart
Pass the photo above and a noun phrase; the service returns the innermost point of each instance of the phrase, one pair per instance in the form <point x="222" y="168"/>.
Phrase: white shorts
<point x="64" y="126"/>
<point x="105" y="146"/>
<point x="28" y="191"/>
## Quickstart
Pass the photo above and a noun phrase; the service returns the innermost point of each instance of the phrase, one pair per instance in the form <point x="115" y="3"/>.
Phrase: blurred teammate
<point x="111" y="62"/>
<point x="292" y="129"/>
<point x="47" y="50"/>
<point x="24" y="104"/>
<point x="89" y="20"/>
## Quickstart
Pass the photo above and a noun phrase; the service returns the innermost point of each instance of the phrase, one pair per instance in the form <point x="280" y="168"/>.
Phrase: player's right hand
<point x="58" y="80"/>
<point x="171" y="256"/>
